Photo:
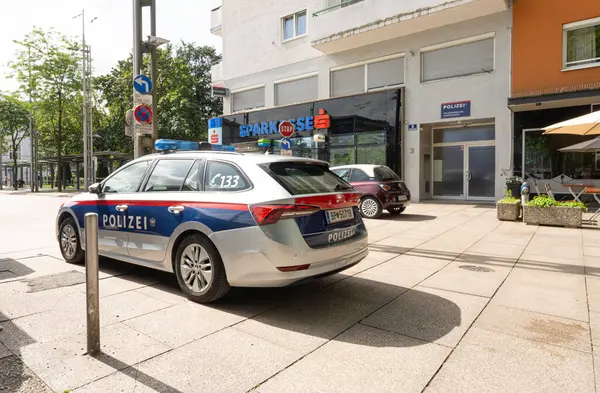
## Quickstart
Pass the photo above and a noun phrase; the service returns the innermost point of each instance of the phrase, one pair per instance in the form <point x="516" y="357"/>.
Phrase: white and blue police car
<point x="219" y="219"/>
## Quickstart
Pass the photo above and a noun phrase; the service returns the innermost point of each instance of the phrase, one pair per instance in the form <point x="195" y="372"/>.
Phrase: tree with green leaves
<point x="14" y="125"/>
<point x="48" y="69"/>
<point x="185" y="101"/>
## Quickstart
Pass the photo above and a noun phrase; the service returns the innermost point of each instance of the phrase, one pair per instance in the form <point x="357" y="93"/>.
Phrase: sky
<point x="110" y="35"/>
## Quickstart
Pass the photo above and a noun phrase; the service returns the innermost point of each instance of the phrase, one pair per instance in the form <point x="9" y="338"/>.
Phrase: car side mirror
<point x="94" y="188"/>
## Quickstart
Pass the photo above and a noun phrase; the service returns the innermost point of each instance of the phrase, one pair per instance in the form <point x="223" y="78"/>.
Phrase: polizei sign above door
<point x="456" y="109"/>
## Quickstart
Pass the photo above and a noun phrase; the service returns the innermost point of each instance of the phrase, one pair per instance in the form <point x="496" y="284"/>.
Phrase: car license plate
<point x="339" y="215"/>
<point x="401" y="197"/>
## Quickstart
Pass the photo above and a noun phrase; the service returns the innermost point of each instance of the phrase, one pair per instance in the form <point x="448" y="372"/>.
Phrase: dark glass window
<point x="222" y="176"/>
<point x="168" y="175"/>
<point x="359" y="175"/>
<point x="298" y="178"/>
<point x="127" y="179"/>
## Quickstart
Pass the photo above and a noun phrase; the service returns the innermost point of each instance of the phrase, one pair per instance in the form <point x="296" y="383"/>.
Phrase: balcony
<point x="216" y="73"/>
<point x="347" y="24"/>
<point x="216" y="21"/>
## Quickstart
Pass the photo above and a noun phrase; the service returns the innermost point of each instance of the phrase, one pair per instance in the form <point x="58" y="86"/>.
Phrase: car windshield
<point x="304" y="178"/>
<point x="383" y="173"/>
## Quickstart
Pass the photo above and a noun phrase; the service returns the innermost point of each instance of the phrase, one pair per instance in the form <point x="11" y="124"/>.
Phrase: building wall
<point x="488" y="92"/>
<point x="252" y="35"/>
<point x="538" y="46"/>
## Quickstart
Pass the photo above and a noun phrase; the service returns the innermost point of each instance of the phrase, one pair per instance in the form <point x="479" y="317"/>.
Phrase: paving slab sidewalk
<point x="458" y="304"/>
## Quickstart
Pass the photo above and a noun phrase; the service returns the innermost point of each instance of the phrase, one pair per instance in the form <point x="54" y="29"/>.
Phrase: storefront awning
<point x="556" y="100"/>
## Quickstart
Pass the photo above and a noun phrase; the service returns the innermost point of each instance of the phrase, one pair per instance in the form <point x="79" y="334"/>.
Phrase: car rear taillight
<point x="271" y="214"/>
<point x="385" y="187"/>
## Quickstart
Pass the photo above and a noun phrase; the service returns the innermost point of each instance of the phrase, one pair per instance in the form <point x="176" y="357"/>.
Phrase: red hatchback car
<point x="380" y="187"/>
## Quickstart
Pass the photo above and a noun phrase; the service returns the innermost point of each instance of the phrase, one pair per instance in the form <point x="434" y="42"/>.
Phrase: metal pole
<point x="153" y="73"/>
<point x="84" y="103"/>
<point x="91" y="283"/>
<point x="91" y="130"/>
<point x="31" y="167"/>
<point x="137" y="63"/>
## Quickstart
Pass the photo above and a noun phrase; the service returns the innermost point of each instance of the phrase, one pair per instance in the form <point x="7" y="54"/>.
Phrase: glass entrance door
<point x="449" y="171"/>
<point x="464" y="171"/>
<point x="481" y="173"/>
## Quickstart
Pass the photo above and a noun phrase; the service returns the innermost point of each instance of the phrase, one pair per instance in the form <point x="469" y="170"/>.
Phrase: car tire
<point x="396" y="210"/>
<point x="199" y="270"/>
<point x="370" y="208"/>
<point x="69" y="242"/>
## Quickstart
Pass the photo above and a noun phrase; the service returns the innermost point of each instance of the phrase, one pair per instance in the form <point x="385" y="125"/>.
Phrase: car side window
<point x="127" y="179"/>
<point x="192" y="181"/>
<point x="359" y="175"/>
<point x="168" y="175"/>
<point x="221" y="176"/>
<point x="343" y="173"/>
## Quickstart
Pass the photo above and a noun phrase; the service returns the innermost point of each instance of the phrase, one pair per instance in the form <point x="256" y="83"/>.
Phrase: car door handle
<point x="176" y="209"/>
<point x="121" y="208"/>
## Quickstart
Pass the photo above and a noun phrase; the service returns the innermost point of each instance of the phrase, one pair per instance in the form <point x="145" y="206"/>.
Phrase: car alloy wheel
<point x="370" y="208"/>
<point x="196" y="268"/>
<point x="68" y="241"/>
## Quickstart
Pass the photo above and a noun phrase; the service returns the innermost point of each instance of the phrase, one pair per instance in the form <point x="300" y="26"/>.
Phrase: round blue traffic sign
<point x="286" y="144"/>
<point x="142" y="84"/>
<point x="143" y="114"/>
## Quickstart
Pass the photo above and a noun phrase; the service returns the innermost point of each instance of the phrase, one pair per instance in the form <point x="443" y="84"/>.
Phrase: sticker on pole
<point x="142" y="84"/>
<point x="143" y="114"/>
<point x="286" y="129"/>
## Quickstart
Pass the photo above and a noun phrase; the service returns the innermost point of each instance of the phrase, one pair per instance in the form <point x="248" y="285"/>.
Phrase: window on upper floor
<point x="470" y="56"/>
<point x="581" y="44"/>
<point x="380" y="74"/>
<point x="295" y="91"/>
<point x="294" y="25"/>
<point x="248" y="99"/>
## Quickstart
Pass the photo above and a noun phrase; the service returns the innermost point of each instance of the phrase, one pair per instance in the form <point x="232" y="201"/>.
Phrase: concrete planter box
<point x="556" y="216"/>
<point x="508" y="211"/>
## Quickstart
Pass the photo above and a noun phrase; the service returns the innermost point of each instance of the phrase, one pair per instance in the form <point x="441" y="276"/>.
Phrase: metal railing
<point x="334" y="7"/>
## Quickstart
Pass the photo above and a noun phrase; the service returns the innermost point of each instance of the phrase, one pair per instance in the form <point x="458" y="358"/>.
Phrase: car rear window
<point x="304" y="178"/>
<point x="383" y="173"/>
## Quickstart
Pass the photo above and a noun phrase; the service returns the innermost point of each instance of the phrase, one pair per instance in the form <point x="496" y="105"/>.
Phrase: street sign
<point x="143" y="114"/>
<point x="286" y="129"/>
<point x="286" y="144"/>
<point x="142" y="84"/>
<point x="286" y="153"/>
<point x="142" y="129"/>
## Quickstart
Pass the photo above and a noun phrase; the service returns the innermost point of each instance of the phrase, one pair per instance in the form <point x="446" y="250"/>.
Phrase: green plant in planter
<point x="546" y="201"/>
<point x="508" y="197"/>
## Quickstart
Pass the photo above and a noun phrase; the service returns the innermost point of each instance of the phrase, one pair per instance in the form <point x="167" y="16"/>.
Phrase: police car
<point x="219" y="219"/>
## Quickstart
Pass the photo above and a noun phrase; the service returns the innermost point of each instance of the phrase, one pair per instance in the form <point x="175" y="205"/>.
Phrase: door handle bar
<point x="176" y="209"/>
<point x="121" y="208"/>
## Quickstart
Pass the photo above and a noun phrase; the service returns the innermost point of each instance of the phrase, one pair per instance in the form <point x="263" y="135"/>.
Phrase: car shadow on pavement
<point x="407" y="217"/>
<point x="326" y="308"/>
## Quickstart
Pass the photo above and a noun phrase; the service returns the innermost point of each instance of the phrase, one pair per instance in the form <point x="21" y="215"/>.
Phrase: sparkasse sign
<point x="456" y="109"/>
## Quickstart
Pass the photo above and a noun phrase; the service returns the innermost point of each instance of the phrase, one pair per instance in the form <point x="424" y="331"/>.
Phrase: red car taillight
<point x="385" y="187"/>
<point x="271" y="214"/>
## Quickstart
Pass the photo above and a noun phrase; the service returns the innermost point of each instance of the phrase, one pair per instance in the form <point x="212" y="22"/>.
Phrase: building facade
<point x="555" y="77"/>
<point x="8" y="174"/>
<point x="420" y="86"/>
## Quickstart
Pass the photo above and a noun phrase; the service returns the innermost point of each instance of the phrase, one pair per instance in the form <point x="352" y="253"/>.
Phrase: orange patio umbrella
<point x="583" y="125"/>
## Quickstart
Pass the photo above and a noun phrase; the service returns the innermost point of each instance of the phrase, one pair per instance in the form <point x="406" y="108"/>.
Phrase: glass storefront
<point x="363" y="129"/>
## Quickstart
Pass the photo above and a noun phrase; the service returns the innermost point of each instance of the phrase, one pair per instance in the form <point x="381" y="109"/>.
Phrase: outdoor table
<point x="594" y="191"/>
<point x="583" y="187"/>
